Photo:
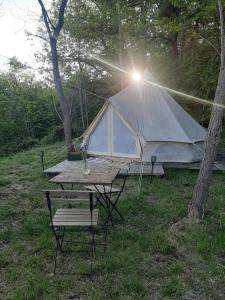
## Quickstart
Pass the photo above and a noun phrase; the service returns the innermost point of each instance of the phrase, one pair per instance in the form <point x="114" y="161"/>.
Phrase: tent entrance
<point x="112" y="136"/>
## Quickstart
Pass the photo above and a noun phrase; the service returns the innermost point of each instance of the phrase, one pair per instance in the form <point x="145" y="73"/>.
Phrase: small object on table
<point x="83" y="149"/>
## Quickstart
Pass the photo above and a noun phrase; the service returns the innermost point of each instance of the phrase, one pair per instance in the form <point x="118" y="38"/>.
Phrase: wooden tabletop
<point x="97" y="175"/>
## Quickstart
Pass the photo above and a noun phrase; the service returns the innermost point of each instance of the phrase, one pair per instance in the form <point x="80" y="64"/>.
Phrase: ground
<point x="155" y="254"/>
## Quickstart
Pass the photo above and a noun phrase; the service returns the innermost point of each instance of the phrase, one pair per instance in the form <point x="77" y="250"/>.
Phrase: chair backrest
<point x="69" y="196"/>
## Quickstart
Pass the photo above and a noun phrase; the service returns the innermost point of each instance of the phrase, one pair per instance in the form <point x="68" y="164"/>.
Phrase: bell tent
<point x="142" y="121"/>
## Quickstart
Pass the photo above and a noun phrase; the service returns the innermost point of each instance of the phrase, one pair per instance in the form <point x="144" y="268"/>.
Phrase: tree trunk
<point x="174" y="45"/>
<point x="201" y="190"/>
<point x="81" y="95"/>
<point x="53" y="32"/>
<point x="64" y="103"/>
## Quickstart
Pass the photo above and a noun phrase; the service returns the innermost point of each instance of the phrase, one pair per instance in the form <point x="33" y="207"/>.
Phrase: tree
<point x="26" y="111"/>
<point x="53" y="32"/>
<point x="201" y="190"/>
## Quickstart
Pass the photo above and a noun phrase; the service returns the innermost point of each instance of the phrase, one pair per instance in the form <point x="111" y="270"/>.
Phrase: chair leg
<point x="105" y="238"/>
<point x="59" y="244"/>
<point x="93" y="250"/>
<point x="109" y="216"/>
<point x="114" y="208"/>
<point x="62" y="238"/>
<point x="57" y="239"/>
<point x="100" y="202"/>
<point x="55" y="260"/>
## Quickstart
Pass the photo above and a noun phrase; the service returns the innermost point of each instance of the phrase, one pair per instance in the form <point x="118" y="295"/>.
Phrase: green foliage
<point x="177" y="40"/>
<point x="26" y="112"/>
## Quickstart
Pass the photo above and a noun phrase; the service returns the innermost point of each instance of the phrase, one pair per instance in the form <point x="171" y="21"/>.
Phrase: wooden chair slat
<point x="73" y="216"/>
<point x="72" y="200"/>
<point x="76" y="211"/>
<point x="72" y="219"/>
<point x="69" y="193"/>
<point x="74" y="223"/>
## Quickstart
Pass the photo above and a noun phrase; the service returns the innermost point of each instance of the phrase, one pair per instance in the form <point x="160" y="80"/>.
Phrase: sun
<point x="136" y="76"/>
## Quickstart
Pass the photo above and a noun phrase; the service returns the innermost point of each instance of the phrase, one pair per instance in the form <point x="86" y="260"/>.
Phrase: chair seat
<point x="75" y="217"/>
<point x="102" y="189"/>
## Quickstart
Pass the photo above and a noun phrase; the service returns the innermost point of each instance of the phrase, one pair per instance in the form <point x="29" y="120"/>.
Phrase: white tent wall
<point x="123" y="140"/>
<point x="156" y="115"/>
<point x="98" y="136"/>
<point x="143" y="120"/>
<point x="173" y="152"/>
<point x="111" y="135"/>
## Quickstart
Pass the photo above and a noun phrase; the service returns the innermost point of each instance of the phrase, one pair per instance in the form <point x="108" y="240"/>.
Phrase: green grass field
<point x="155" y="254"/>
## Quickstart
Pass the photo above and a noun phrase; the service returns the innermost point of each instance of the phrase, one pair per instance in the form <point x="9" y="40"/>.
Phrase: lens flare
<point x="136" y="76"/>
<point x="175" y="92"/>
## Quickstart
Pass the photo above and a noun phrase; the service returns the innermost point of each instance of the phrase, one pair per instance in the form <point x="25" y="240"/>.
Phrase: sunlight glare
<point x="136" y="76"/>
<point x="197" y="99"/>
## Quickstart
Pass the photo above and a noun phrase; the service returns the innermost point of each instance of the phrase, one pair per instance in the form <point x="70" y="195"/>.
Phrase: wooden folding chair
<point x="62" y="218"/>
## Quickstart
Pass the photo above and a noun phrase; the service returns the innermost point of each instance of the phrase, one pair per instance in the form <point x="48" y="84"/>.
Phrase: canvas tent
<point x="143" y="120"/>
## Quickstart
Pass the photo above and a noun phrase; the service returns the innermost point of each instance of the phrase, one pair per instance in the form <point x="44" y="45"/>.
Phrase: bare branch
<point x="60" y="22"/>
<point x="60" y="117"/>
<point x="211" y="44"/>
<point x="37" y="35"/>
<point x="49" y="20"/>
<point x="45" y="17"/>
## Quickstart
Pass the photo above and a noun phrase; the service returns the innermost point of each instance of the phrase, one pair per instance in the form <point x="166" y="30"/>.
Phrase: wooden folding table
<point x="98" y="176"/>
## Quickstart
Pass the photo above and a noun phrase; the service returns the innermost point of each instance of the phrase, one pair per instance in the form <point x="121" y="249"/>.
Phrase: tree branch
<point x="49" y="20"/>
<point x="60" y="22"/>
<point x="45" y="17"/>
<point x="210" y="43"/>
<point x="37" y="35"/>
<point x="60" y="117"/>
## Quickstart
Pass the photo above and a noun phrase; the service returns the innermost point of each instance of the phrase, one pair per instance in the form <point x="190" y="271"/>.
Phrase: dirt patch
<point x="21" y="186"/>
<point x="151" y="199"/>
<point x="159" y="261"/>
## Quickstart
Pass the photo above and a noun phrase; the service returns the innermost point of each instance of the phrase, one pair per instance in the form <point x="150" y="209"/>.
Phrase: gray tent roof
<point x="153" y="113"/>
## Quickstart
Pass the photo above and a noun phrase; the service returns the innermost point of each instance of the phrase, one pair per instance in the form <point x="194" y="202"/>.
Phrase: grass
<point x="155" y="254"/>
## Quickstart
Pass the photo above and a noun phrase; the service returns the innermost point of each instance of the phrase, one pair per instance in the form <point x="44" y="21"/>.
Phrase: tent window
<point x="122" y="138"/>
<point x="98" y="141"/>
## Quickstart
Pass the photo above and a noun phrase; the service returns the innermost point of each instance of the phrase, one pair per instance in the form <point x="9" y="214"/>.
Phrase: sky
<point x="17" y="17"/>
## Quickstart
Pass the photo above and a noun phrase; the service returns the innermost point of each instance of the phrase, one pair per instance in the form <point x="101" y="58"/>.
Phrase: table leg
<point x="107" y="208"/>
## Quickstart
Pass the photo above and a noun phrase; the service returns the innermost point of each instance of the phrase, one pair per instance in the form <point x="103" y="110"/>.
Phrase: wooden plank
<point x="78" y="200"/>
<point x="93" y="163"/>
<point x="218" y="165"/>
<point x="76" y="223"/>
<point x="83" y="218"/>
<point x="69" y="193"/>
<point x="108" y="162"/>
<point x="103" y="176"/>
<point x="75" y="213"/>
<point x="76" y="210"/>
<point x="146" y="170"/>
<point x="67" y="215"/>
<point x="75" y="217"/>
